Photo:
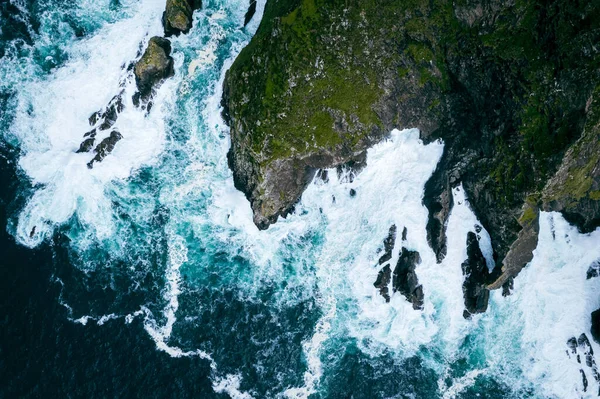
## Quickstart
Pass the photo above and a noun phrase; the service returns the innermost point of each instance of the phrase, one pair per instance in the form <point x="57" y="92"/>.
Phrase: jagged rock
<point x="323" y="175"/>
<point x="475" y="270"/>
<point x="250" y="13"/>
<point x="582" y="345"/>
<point x="177" y="17"/>
<point x="105" y="147"/>
<point x="596" y="325"/>
<point x="593" y="270"/>
<point x="521" y="250"/>
<point x="575" y="188"/>
<point x="155" y="65"/>
<point x="404" y="233"/>
<point x="584" y="380"/>
<point x="352" y="192"/>
<point x="405" y="278"/>
<point x="86" y="145"/>
<point x="388" y="245"/>
<point x="438" y="200"/>
<point x="383" y="280"/>
<point x="112" y="111"/>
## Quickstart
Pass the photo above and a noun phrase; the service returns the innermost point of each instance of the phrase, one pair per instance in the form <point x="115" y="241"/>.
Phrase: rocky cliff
<point x="507" y="84"/>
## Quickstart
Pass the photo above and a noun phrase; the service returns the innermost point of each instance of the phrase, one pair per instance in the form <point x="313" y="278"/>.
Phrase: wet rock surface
<point x="595" y="316"/>
<point x="383" y="281"/>
<point x="388" y="245"/>
<point x="521" y="251"/>
<point x="155" y="65"/>
<point x="405" y="280"/>
<point x="250" y="13"/>
<point x="105" y="147"/>
<point x="581" y="351"/>
<point x="475" y="292"/>
<point x="177" y="17"/>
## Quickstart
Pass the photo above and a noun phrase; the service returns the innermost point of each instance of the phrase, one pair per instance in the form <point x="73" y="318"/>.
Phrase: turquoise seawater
<point x="153" y="265"/>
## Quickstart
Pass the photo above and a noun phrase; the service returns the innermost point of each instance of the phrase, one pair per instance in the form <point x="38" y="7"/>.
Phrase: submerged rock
<point x="475" y="292"/>
<point x="177" y="17"/>
<point x="405" y="278"/>
<point x="155" y="65"/>
<point x="105" y="147"/>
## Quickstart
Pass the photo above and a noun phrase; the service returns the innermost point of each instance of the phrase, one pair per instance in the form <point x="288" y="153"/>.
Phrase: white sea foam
<point x="551" y="303"/>
<point x="52" y="118"/>
<point x="230" y="384"/>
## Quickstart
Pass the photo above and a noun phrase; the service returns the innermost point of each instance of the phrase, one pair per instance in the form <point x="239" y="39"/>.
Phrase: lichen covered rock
<point x="155" y="65"/>
<point x="177" y="17"/>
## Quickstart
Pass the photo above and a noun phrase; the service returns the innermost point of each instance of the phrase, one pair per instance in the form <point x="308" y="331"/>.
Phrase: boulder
<point x="177" y="17"/>
<point x="155" y="65"/>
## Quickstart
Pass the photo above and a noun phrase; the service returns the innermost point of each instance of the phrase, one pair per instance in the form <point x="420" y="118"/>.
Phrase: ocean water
<point x="145" y="276"/>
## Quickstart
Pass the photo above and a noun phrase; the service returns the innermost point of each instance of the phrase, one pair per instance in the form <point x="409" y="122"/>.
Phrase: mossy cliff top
<point x="504" y="83"/>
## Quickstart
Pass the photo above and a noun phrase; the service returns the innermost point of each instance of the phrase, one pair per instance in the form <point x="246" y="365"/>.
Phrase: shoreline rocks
<point x="155" y="65"/>
<point x="177" y="17"/>
<point x="405" y="280"/>
<point x="475" y="292"/>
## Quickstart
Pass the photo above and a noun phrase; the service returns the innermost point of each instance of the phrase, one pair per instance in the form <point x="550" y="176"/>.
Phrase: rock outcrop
<point x="105" y="147"/>
<point x="596" y="325"/>
<point x="475" y="292"/>
<point x="102" y="120"/>
<point x="405" y="280"/>
<point x="520" y="252"/>
<point x="578" y="347"/>
<point x="505" y="85"/>
<point x="250" y="13"/>
<point x="155" y="65"/>
<point x="177" y="17"/>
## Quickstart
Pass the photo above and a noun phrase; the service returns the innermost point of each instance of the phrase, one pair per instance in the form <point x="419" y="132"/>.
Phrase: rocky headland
<point x="511" y="87"/>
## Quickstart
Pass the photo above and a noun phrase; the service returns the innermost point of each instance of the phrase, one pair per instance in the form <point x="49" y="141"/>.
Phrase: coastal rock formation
<point x="105" y="147"/>
<point x="596" y="325"/>
<point x="155" y="65"/>
<point x="405" y="280"/>
<point x="578" y="347"/>
<point x="521" y="251"/>
<point x="101" y="120"/>
<point x="497" y="81"/>
<point x="177" y="17"/>
<point x="475" y="292"/>
<point x="388" y="245"/>
<point x="383" y="281"/>
<point x="250" y="13"/>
